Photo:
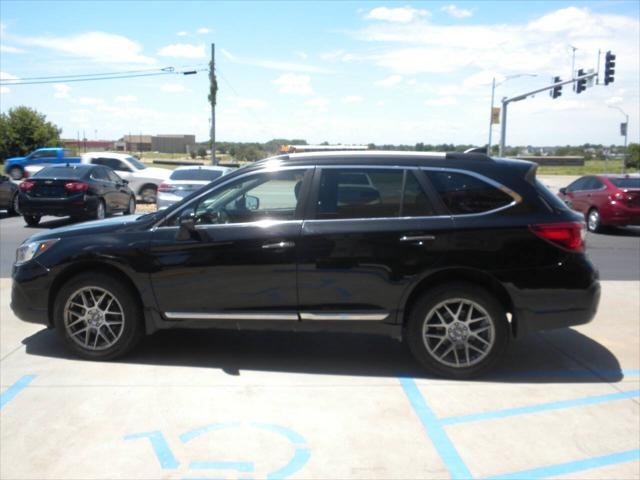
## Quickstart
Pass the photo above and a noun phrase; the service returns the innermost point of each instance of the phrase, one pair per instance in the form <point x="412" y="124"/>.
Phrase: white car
<point x="143" y="180"/>
<point x="185" y="180"/>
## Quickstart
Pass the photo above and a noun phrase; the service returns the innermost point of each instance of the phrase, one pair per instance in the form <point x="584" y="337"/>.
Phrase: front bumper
<point x="30" y="292"/>
<point x="77" y="206"/>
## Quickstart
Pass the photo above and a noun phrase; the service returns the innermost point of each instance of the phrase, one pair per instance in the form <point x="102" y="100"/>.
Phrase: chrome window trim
<point x="240" y="224"/>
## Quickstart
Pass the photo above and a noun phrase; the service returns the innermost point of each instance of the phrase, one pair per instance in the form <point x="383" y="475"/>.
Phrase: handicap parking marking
<point x="167" y="459"/>
<point x="435" y="430"/>
<point x="11" y="392"/>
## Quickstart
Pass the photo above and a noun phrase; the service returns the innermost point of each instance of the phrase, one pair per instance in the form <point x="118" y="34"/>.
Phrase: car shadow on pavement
<point x="620" y="232"/>
<point x="564" y="356"/>
<point x="57" y="222"/>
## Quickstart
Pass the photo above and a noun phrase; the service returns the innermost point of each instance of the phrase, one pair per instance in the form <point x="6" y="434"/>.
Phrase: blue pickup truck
<point x="14" y="167"/>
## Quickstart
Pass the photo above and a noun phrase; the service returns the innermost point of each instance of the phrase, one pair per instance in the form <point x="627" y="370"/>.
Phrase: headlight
<point x="31" y="250"/>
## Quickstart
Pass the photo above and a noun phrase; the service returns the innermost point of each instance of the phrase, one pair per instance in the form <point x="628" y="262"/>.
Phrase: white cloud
<point x="183" y="50"/>
<point x="441" y="102"/>
<point x="251" y="103"/>
<point x="295" y="84"/>
<point x="456" y="11"/>
<point x="318" y="103"/>
<point x="274" y="64"/>
<point x="302" y="55"/>
<point x="389" y="81"/>
<point x="182" y="34"/>
<point x="5" y="90"/>
<point x="126" y="99"/>
<point x="399" y="14"/>
<point x="172" y="88"/>
<point x="9" y="49"/>
<point x="90" y="101"/>
<point x="61" y="90"/>
<point x="203" y="30"/>
<point x="99" y="47"/>
<point x="380" y="103"/>
<point x="352" y="99"/>
<point x="614" y="100"/>
<point x="8" y="76"/>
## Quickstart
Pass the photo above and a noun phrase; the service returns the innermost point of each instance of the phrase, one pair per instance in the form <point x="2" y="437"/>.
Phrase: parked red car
<point x="605" y="200"/>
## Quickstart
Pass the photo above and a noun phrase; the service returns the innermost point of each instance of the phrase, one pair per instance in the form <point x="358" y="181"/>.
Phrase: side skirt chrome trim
<point x="378" y="316"/>
<point x="230" y="316"/>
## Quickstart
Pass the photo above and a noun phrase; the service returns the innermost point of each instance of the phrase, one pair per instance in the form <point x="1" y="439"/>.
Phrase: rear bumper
<point x="620" y="214"/>
<point x="79" y="205"/>
<point x="556" y="309"/>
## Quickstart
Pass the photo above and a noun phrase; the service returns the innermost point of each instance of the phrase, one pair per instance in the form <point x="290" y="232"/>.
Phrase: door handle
<point x="416" y="238"/>
<point x="278" y="245"/>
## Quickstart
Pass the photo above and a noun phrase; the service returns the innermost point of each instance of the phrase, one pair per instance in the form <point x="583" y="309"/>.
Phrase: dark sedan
<point x="75" y="190"/>
<point x="8" y="195"/>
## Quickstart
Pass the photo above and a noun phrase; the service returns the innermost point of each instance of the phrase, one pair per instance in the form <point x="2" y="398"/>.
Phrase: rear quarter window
<point x="626" y="182"/>
<point x="465" y="194"/>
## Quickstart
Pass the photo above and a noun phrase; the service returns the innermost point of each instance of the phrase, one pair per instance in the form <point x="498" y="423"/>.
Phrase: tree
<point x="202" y="152"/>
<point x="633" y="155"/>
<point x="23" y="129"/>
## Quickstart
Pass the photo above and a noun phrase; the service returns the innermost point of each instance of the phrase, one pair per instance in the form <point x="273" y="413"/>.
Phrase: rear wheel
<point x="32" y="220"/>
<point x="593" y="220"/>
<point x="457" y="330"/>
<point x="149" y="194"/>
<point x="14" y="207"/>
<point x="16" y="172"/>
<point x="101" y="211"/>
<point x="131" y="207"/>
<point x="97" y="317"/>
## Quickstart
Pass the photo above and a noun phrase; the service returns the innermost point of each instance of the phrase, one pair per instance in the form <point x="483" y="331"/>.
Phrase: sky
<point x="342" y="72"/>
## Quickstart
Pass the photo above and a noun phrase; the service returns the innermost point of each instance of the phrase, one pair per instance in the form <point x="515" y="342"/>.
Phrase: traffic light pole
<point x="506" y="101"/>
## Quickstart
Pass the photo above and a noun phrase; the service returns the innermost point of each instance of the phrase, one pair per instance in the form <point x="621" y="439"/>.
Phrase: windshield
<point x="136" y="163"/>
<point x="626" y="182"/>
<point x="200" y="174"/>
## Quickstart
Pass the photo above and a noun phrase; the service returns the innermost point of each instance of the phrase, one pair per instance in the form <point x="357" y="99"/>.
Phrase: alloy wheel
<point x="593" y="220"/>
<point x="100" y="211"/>
<point x="458" y="333"/>
<point x="93" y="318"/>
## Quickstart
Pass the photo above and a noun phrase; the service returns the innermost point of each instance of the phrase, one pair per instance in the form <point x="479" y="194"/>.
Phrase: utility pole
<point x="213" y="87"/>
<point x="573" y="63"/>
<point x="493" y="94"/>
<point x="623" y="131"/>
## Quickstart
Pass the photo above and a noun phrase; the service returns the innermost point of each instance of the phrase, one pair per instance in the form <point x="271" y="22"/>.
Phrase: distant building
<point x="157" y="143"/>
<point x="173" y="143"/>
<point x="86" y="145"/>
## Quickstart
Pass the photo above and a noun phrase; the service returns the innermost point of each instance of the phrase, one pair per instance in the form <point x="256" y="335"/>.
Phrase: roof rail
<point x="476" y="150"/>
<point x="468" y="156"/>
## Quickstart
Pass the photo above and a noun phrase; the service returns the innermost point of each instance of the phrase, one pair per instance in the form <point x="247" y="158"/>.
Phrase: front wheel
<point x="32" y="220"/>
<point x="457" y="330"/>
<point x="97" y="317"/>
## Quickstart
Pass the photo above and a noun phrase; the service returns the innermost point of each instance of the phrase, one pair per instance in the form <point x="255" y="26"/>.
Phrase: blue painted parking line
<point x="434" y="429"/>
<point x="510" y="412"/>
<point x="572" y="467"/>
<point x="11" y="392"/>
<point x="160" y="447"/>
<point x="239" y="466"/>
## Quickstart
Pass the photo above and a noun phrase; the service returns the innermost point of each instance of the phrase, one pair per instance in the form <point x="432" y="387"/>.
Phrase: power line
<point x="125" y="72"/>
<point x="90" y="78"/>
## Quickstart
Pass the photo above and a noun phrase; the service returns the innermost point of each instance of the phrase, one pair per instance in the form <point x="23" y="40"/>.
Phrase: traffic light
<point x="581" y="85"/>
<point x="609" y="67"/>
<point x="556" y="91"/>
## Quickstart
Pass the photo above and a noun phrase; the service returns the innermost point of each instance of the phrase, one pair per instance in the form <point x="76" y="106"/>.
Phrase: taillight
<point x="76" y="186"/>
<point x="569" y="235"/>
<point x="165" y="188"/>
<point x="619" y="196"/>
<point x="26" y="185"/>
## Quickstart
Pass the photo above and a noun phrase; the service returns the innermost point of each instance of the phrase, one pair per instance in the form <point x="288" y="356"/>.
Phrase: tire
<point x="86" y="330"/>
<point x="101" y="211"/>
<point x="131" y="207"/>
<point x="471" y="356"/>
<point x="593" y="220"/>
<point x="16" y="173"/>
<point x="14" y="207"/>
<point x="148" y="194"/>
<point x="32" y="220"/>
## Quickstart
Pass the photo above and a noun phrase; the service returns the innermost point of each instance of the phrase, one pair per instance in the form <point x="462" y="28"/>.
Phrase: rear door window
<point x="466" y="194"/>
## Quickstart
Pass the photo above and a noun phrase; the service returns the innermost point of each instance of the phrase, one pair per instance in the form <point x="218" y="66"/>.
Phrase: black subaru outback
<point x="455" y="253"/>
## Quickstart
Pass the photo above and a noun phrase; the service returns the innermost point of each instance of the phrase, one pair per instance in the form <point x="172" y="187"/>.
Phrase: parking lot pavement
<point x="221" y="404"/>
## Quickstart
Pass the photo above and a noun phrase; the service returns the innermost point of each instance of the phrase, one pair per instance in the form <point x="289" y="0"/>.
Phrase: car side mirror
<point x="251" y="202"/>
<point x="187" y="225"/>
<point x="125" y="182"/>
<point x="563" y="191"/>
